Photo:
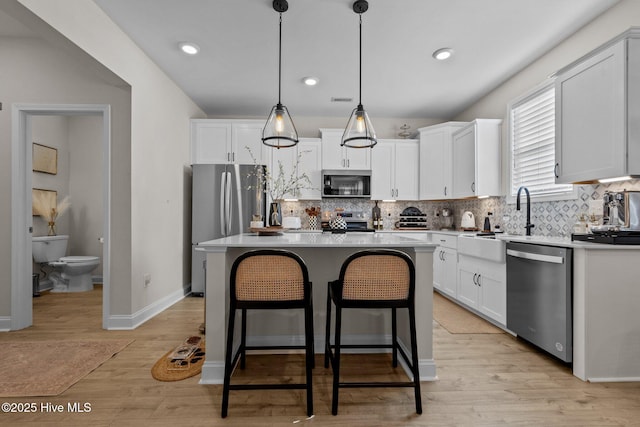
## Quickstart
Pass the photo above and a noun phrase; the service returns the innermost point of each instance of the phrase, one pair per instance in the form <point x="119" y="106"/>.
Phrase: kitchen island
<point x="323" y="254"/>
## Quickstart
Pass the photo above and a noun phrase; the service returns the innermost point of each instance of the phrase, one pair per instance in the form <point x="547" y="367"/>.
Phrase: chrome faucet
<point x="528" y="226"/>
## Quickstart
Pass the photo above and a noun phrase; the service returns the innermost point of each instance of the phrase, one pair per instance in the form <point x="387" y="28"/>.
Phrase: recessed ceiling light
<point x="442" y="54"/>
<point x="189" y="48"/>
<point x="310" y="81"/>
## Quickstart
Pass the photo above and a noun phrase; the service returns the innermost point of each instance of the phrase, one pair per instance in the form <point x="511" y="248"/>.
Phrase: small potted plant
<point x="278" y="183"/>
<point x="42" y="206"/>
<point x="313" y="212"/>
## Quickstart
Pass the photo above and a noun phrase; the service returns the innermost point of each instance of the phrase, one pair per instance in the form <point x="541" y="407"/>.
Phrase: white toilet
<point x="71" y="273"/>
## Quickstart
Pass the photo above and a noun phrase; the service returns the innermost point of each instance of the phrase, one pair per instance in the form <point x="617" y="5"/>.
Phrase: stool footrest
<point x="267" y="386"/>
<point x="376" y="384"/>
<point x="275" y="347"/>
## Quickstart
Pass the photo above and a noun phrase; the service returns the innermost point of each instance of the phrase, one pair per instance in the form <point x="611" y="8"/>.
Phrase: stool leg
<point x="243" y="340"/>
<point x="336" y="362"/>
<point x="309" y="358"/>
<point x="394" y="336"/>
<point x="327" y="332"/>
<point x="414" y="358"/>
<point x="227" y="363"/>
<point x="313" y="336"/>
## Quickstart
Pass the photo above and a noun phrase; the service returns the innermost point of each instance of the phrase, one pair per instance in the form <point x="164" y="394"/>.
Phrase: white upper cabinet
<point x="597" y="110"/>
<point x="311" y="164"/>
<point x="226" y="141"/>
<point x="247" y="134"/>
<point x="394" y="169"/>
<point x="476" y="159"/>
<point x="436" y="160"/>
<point x="307" y="153"/>
<point x="336" y="157"/>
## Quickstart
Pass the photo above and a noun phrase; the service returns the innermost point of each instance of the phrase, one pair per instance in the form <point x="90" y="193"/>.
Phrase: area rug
<point x="48" y="368"/>
<point x="169" y="369"/>
<point x="457" y="320"/>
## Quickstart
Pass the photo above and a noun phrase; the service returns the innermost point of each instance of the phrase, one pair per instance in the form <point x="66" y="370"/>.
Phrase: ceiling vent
<point x="338" y="99"/>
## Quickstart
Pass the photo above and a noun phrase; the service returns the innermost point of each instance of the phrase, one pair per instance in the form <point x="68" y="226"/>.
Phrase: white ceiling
<point x="235" y="73"/>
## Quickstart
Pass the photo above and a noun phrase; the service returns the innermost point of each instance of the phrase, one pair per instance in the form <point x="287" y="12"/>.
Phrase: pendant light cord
<point x="280" y="60"/>
<point x="360" y="79"/>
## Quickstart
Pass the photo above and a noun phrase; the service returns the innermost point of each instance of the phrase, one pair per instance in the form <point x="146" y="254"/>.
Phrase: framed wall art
<point x="45" y="159"/>
<point x="43" y="201"/>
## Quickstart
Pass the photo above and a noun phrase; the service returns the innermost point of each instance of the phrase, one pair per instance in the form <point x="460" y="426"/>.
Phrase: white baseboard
<point x="5" y="323"/>
<point x="614" y="380"/>
<point x="132" y="321"/>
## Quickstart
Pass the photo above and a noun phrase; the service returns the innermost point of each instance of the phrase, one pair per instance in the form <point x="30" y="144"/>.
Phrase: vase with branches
<point x="278" y="183"/>
<point x="50" y="212"/>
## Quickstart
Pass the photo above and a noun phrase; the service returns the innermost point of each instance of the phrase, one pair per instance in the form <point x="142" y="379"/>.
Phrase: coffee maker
<point x="620" y="220"/>
<point x="621" y="211"/>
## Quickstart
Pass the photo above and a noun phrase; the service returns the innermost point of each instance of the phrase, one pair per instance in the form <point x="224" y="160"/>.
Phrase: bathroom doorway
<point x="22" y="220"/>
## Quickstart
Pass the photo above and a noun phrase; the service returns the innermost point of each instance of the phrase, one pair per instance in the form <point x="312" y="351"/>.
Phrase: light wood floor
<point x="484" y="380"/>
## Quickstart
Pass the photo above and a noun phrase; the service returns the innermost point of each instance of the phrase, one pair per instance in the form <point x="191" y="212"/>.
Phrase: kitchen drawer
<point x="445" y="240"/>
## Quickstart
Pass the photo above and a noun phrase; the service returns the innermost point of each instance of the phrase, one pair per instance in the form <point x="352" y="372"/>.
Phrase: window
<point x="532" y="135"/>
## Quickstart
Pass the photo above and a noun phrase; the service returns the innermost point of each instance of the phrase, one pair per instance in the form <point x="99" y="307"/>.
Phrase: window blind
<point x="533" y="144"/>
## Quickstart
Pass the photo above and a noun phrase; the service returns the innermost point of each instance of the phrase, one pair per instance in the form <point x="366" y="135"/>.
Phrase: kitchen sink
<point x="483" y="247"/>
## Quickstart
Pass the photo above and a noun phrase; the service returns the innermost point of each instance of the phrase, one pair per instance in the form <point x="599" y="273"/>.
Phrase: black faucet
<point x="528" y="226"/>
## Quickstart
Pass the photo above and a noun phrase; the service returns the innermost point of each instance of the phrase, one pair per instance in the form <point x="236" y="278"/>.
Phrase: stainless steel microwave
<point x="346" y="183"/>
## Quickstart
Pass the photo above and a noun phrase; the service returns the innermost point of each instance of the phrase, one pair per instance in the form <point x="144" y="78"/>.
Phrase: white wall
<point x="159" y="150"/>
<point x="32" y="71"/>
<point x="309" y="127"/>
<point x="605" y="27"/>
<point x="86" y="222"/>
<point x="53" y="132"/>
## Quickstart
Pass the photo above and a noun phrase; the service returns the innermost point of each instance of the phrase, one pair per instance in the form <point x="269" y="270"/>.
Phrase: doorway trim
<point x="21" y="218"/>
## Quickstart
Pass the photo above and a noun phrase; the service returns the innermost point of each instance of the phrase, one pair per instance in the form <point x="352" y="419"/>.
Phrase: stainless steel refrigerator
<point x="223" y="200"/>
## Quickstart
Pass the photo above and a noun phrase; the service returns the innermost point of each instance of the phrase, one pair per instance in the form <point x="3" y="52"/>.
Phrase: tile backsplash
<point x="550" y="218"/>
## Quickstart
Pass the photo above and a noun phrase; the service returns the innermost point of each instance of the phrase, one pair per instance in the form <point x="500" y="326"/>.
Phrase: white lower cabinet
<point x="482" y="285"/>
<point x="444" y="270"/>
<point x="445" y="263"/>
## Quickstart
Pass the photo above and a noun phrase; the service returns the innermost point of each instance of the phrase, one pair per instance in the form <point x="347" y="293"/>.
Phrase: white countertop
<point x="291" y="239"/>
<point x="563" y="242"/>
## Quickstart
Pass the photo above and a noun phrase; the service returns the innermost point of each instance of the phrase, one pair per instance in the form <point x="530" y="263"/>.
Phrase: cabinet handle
<point x="442" y="254"/>
<point x="348" y="163"/>
<point x="555" y="170"/>
<point x="445" y="190"/>
<point x="233" y="157"/>
<point x="473" y="187"/>
<point x="479" y="282"/>
<point x="474" y="278"/>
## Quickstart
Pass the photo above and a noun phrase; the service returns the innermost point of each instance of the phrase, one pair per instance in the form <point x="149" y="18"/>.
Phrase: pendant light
<point x="359" y="132"/>
<point x="279" y="131"/>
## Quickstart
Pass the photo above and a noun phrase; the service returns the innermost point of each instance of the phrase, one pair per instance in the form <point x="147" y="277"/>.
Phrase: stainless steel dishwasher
<point x="539" y="296"/>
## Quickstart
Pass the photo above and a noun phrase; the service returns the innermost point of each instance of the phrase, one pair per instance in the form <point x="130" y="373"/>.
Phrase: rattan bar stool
<point x="373" y="279"/>
<point x="268" y="279"/>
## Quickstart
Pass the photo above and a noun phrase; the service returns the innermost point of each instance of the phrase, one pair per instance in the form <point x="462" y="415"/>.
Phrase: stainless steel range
<point x="356" y="221"/>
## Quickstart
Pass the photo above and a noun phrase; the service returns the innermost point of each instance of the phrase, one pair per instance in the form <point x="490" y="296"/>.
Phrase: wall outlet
<point x="147" y="279"/>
